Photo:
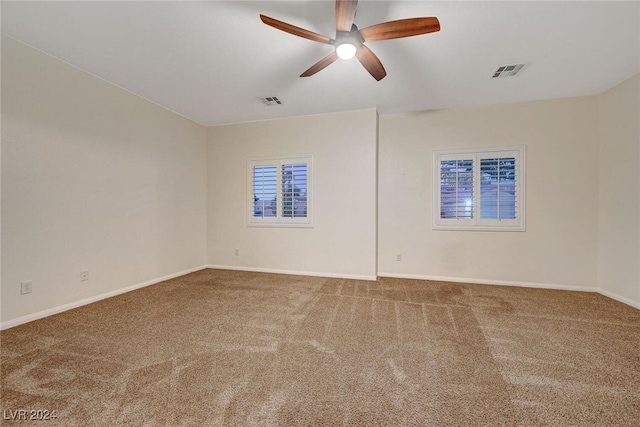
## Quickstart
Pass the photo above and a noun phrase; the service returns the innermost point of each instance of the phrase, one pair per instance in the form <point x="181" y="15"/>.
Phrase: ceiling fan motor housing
<point x="354" y="37"/>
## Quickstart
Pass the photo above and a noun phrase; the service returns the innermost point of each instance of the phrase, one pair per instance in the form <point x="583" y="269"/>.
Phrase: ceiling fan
<point x="349" y="40"/>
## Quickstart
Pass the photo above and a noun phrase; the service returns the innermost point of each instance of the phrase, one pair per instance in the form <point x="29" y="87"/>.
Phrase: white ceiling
<point x="211" y="61"/>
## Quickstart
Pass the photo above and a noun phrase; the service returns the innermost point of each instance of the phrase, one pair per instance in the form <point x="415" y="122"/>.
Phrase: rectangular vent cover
<point x="507" y="70"/>
<point x="271" y="100"/>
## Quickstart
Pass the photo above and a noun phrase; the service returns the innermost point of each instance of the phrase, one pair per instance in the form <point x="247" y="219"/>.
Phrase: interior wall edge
<point x="75" y="304"/>
<point x="109" y="82"/>
<point x="295" y="272"/>
<point x="619" y="298"/>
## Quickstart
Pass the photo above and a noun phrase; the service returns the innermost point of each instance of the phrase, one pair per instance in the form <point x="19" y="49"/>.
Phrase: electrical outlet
<point x="26" y="287"/>
<point x="398" y="257"/>
<point x="84" y="275"/>
<point x="237" y="252"/>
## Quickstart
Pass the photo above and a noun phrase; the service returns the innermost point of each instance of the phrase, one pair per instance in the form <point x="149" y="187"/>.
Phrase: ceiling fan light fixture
<point x="346" y="50"/>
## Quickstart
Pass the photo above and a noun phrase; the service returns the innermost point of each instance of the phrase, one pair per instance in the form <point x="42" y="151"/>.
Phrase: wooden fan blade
<point x="345" y="14"/>
<point x="323" y="63"/>
<point x="400" y="28"/>
<point x="296" y="31"/>
<point x="370" y="61"/>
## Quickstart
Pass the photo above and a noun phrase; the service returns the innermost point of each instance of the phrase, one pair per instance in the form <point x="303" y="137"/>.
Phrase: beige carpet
<point x="232" y="348"/>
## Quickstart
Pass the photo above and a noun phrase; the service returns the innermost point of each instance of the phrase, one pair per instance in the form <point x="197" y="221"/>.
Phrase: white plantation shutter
<point x="479" y="190"/>
<point x="265" y="184"/>
<point x="498" y="188"/>
<point x="279" y="192"/>
<point x="294" y="190"/>
<point x="456" y="189"/>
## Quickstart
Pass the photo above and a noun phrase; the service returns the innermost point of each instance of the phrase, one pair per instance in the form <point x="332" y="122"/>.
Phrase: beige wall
<point x="558" y="247"/>
<point x="619" y="192"/>
<point x="94" y="178"/>
<point x="343" y="240"/>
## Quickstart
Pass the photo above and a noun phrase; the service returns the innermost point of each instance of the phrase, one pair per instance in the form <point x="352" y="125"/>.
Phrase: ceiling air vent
<point x="271" y="100"/>
<point x="507" y="70"/>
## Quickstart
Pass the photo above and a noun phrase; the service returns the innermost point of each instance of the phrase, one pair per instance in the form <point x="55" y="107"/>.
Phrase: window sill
<point x="279" y="225"/>
<point x="476" y="228"/>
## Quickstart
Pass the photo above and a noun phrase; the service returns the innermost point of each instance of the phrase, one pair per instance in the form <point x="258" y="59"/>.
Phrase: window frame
<point x="279" y="220"/>
<point x="477" y="223"/>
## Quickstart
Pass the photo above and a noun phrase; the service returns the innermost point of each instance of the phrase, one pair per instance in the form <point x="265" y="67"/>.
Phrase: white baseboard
<point x="491" y="282"/>
<point x="59" y="309"/>
<point x="295" y="272"/>
<point x="624" y="300"/>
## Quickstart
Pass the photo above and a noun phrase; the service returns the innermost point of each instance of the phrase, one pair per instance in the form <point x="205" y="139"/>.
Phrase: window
<point x="279" y="192"/>
<point x="479" y="189"/>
